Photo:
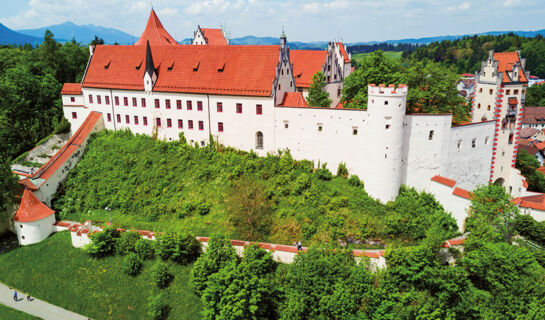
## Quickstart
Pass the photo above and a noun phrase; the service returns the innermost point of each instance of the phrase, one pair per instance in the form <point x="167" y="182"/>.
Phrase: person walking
<point x="15" y="296"/>
<point x="28" y="298"/>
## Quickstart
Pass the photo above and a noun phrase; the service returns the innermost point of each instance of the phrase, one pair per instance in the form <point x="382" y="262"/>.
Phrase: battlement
<point x="390" y="90"/>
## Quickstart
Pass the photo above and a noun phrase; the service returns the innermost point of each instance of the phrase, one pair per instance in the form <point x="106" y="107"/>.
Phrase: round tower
<point x="386" y="108"/>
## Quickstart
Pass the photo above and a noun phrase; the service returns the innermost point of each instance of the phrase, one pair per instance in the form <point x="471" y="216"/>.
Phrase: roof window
<point x="196" y="66"/>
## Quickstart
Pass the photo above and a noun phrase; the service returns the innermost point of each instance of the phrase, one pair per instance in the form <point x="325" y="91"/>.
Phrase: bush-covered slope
<point x="160" y="185"/>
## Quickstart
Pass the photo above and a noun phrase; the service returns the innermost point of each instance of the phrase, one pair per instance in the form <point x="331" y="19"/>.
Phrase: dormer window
<point x="139" y="65"/>
<point x="196" y="66"/>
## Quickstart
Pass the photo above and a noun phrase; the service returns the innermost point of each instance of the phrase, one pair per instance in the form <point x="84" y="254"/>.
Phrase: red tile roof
<point x="28" y="184"/>
<point x="506" y="61"/>
<point x="155" y="33"/>
<point x="533" y="202"/>
<point x="343" y="52"/>
<point x="231" y="70"/>
<point x="66" y="151"/>
<point x="462" y="193"/>
<point x="533" y="115"/>
<point x="71" y="88"/>
<point x="31" y="208"/>
<point x="513" y="100"/>
<point x="293" y="99"/>
<point x="214" y="36"/>
<point x="305" y="65"/>
<point x="446" y="181"/>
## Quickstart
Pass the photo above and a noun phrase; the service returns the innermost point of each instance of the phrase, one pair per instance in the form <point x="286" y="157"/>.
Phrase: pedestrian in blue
<point x="15" y="295"/>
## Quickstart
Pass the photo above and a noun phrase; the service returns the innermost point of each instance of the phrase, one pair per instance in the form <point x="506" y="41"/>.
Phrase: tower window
<point x="386" y="102"/>
<point x="239" y="107"/>
<point x="507" y="92"/>
<point x="516" y="91"/>
<point x="486" y="140"/>
<point x="72" y="99"/>
<point x="478" y="105"/>
<point x="259" y="140"/>
<point x="473" y="143"/>
<point x="258" y="109"/>
<point x="459" y="144"/>
<point x="511" y="138"/>
<point x="220" y="126"/>
<point x="488" y="108"/>
<point x="220" y="107"/>
<point x="387" y="126"/>
<point x="430" y="137"/>
<point x="74" y="115"/>
<point x="355" y="131"/>
<point x="490" y="91"/>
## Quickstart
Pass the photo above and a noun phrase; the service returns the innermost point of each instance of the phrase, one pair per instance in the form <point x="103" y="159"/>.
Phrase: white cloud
<point x="317" y="7"/>
<point x="462" y="6"/>
<point x="511" y="3"/>
<point x="138" y="6"/>
<point x="207" y="6"/>
<point x="168" y="12"/>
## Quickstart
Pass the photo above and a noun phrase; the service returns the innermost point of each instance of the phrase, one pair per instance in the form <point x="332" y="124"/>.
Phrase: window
<point x="107" y="98"/>
<point x="286" y="124"/>
<point x="143" y="102"/>
<point x="320" y="127"/>
<point x="201" y="125"/>
<point x="157" y="104"/>
<point x="199" y="105"/>
<point x="125" y="101"/>
<point x="220" y="107"/>
<point x="430" y="136"/>
<point x="167" y="103"/>
<point x="109" y="116"/>
<point x="127" y="119"/>
<point x="279" y="86"/>
<point x="90" y="98"/>
<point x="473" y="143"/>
<point x="258" y="109"/>
<point x="507" y="92"/>
<point x="387" y="126"/>
<point x="72" y="99"/>
<point x="386" y="102"/>
<point x="169" y="123"/>
<point x="259" y="140"/>
<point x="158" y="122"/>
<point x="488" y="107"/>
<point x="511" y="138"/>
<point x="99" y="99"/>
<point x="355" y="131"/>
<point x="490" y="91"/>
<point x="116" y="100"/>
<point x="145" y="120"/>
<point x="190" y="124"/>
<point x="189" y="105"/>
<point x="136" y="120"/>
<point x="478" y="106"/>
<point x="239" y="107"/>
<point x="459" y="144"/>
<point x="180" y="123"/>
<point x="134" y="102"/>
<point x="486" y="140"/>
<point x="480" y="90"/>
<point x="74" y="115"/>
<point x="220" y="126"/>
<point x="118" y="116"/>
<point x="516" y="91"/>
<point x="179" y="104"/>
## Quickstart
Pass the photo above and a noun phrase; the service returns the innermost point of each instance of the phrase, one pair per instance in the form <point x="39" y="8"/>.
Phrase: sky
<point x="302" y="20"/>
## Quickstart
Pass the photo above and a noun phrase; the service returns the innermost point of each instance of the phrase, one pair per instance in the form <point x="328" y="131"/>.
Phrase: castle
<point x="252" y="98"/>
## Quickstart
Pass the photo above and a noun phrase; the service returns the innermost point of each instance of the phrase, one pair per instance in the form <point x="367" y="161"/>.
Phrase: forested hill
<point x="466" y="54"/>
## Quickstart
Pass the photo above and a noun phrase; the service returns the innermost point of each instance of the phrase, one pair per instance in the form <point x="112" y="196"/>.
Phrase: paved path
<point x="36" y="307"/>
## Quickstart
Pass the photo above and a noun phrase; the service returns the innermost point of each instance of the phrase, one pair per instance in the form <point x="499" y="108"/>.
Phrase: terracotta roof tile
<point x="248" y="70"/>
<point x="71" y="88"/>
<point x="533" y="115"/>
<point x="343" y="52"/>
<point x="462" y="193"/>
<point x="214" y="36"/>
<point x="293" y="99"/>
<point x="31" y="208"/>
<point x="506" y="61"/>
<point x="305" y="65"/>
<point x="446" y="181"/>
<point x="28" y="184"/>
<point x="533" y="202"/>
<point x="155" y="33"/>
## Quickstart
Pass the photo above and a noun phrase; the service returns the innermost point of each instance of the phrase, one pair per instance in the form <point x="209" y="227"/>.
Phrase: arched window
<point x="259" y="140"/>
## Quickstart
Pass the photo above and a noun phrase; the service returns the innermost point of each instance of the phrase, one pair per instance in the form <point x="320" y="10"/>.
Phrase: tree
<point x="102" y="243"/>
<point x="248" y="208"/>
<point x="528" y="165"/>
<point x="97" y="41"/>
<point x="158" y="308"/>
<point x="8" y="188"/>
<point x="317" y="94"/>
<point x="218" y="254"/>
<point x="244" y="290"/>
<point x="491" y="214"/>
<point x="178" y="247"/>
<point x="161" y="275"/>
<point x="126" y="242"/>
<point x="132" y="264"/>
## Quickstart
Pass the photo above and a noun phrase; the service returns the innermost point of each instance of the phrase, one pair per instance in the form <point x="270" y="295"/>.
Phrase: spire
<point x="155" y="33"/>
<point x="150" y="68"/>
<point x="283" y="39"/>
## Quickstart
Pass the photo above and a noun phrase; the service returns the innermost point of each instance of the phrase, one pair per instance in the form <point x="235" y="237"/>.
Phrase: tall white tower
<point x="386" y="108"/>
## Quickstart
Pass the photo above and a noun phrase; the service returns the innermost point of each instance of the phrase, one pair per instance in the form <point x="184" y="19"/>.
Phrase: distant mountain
<point x="83" y="34"/>
<point x="8" y="36"/>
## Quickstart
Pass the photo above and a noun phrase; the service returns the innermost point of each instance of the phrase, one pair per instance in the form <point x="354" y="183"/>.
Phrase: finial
<point x="283" y="36"/>
<point x="151" y="4"/>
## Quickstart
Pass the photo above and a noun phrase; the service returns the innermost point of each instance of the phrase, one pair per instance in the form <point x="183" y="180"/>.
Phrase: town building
<point x="534" y="117"/>
<point x="209" y="36"/>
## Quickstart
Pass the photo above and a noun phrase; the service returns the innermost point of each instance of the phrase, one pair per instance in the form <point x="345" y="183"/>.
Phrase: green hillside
<point x="390" y="54"/>
<point x="159" y="185"/>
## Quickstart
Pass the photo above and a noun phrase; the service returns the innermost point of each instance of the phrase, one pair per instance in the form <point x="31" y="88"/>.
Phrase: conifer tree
<point x="317" y="96"/>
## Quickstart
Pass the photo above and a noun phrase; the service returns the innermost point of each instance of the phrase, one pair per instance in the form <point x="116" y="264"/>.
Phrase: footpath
<point x="36" y="307"/>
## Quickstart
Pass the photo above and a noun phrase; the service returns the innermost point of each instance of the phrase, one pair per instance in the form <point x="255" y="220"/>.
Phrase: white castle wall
<point x="452" y="203"/>
<point x="470" y="154"/>
<point x="35" y="231"/>
<point x="424" y="157"/>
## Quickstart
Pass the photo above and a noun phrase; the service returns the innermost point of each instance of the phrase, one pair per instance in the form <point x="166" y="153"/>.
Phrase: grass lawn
<point x="7" y="313"/>
<point x="60" y="274"/>
<point x="390" y="54"/>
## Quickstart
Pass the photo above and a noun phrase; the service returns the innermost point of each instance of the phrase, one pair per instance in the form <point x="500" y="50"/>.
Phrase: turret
<point x="283" y="40"/>
<point x="386" y="108"/>
<point x="150" y="75"/>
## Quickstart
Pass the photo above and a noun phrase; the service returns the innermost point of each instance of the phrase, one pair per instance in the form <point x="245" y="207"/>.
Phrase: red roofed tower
<point x="155" y="33"/>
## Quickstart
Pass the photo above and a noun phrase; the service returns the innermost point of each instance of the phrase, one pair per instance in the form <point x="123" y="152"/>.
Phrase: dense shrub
<point x="126" y="242"/>
<point x="158" y="308"/>
<point x="62" y="127"/>
<point x="342" y="171"/>
<point x="144" y="249"/>
<point x="354" y="181"/>
<point x="102" y="243"/>
<point x="323" y="173"/>
<point x="132" y="264"/>
<point x="161" y="275"/>
<point x="178" y="247"/>
<point x="529" y="228"/>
